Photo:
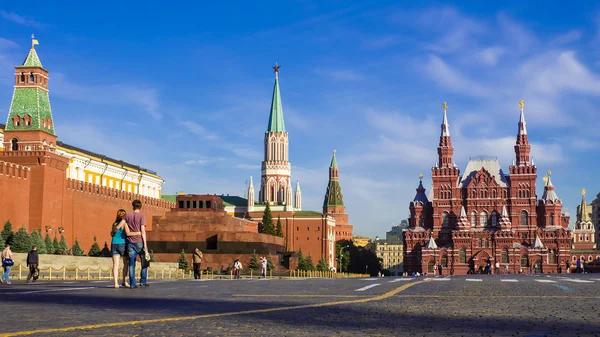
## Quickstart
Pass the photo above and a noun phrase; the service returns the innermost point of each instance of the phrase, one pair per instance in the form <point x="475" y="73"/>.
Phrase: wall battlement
<point x="85" y="187"/>
<point x="14" y="171"/>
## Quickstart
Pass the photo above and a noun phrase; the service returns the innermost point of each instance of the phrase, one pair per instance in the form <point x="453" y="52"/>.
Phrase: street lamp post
<point x="341" y="249"/>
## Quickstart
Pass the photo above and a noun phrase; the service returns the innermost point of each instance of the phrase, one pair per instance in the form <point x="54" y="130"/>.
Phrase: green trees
<point x="49" y="246"/>
<point x="56" y="245"/>
<point x="94" y="250"/>
<point x="62" y="248"/>
<point x="7" y="232"/>
<point x="253" y="264"/>
<point x="36" y="239"/>
<point x="270" y="264"/>
<point x="267" y="221"/>
<point x="305" y="263"/>
<point x="1" y="242"/>
<point x="279" y="229"/>
<point x="183" y="261"/>
<point x="21" y="241"/>
<point x="76" y="249"/>
<point x="322" y="265"/>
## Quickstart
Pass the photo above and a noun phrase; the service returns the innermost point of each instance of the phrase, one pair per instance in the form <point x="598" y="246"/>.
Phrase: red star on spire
<point x="276" y="68"/>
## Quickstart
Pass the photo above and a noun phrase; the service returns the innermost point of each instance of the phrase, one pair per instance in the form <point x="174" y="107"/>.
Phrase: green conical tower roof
<point x="30" y="106"/>
<point x="333" y="161"/>
<point x="276" y="123"/>
<point x="32" y="59"/>
<point x="584" y="216"/>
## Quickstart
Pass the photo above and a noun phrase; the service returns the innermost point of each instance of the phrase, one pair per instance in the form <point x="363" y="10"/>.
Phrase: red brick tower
<point x="29" y="140"/>
<point x="523" y="174"/>
<point x="446" y="193"/>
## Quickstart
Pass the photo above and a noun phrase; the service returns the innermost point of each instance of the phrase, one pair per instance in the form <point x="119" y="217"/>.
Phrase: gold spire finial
<point x="33" y="41"/>
<point x="549" y="173"/>
<point x="445" y="106"/>
<point x="334" y="150"/>
<point x="545" y="180"/>
<point x="420" y="176"/>
<point x="521" y="104"/>
<point x="583" y="191"/>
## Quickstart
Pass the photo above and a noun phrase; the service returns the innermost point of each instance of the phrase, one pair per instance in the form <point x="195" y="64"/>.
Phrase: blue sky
<point x="185" y="90"/>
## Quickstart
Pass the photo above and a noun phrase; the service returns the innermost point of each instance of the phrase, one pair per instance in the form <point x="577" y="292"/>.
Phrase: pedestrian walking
<point x="33" y="261"/>
<point x="135" y="229"/>
<point x="118" y="248"/>
<point x="440" y="269"/>
<point x="196" y="261"/>
<point x="263" y="266"/>
<point x="7" y="263"/>
<point x="237" y="268"/>
<point x="506" y="269"/>
<point x="497" y="267"/>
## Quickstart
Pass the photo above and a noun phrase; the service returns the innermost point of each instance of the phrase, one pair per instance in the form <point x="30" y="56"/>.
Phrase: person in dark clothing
<point x="33" y="260"/>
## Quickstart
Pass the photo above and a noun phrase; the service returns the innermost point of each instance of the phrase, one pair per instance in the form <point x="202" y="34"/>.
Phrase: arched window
<point x="552" y="256"/>
<point x="462" y="256"/>
<point x="15" y="144"/>
<point x="445" y="219"/>
<point x="504" y="255"/>
<point x="483" y="219"/>
<point x="430" y="266"/>
<point x="494" y="218"/>
<point x="524" y="261"/>
<point x="480" y="243"/>
<point x="31" y="78"/>
<point x="504" y="194"/>
<point x="444" y="261"/>
<point x="551" y="219"/>
<point x="523" y="218"/>
<point x="22" y="78"/>
<point x="494" y="195"/>
<point x="421" y="221"/>
<point x="473" y="194"/>
<point x="473" y="219"/>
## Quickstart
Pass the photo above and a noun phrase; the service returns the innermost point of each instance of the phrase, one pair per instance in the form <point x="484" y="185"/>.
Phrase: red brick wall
<point x="14" y="194"/>
<point x="90" y="210"/>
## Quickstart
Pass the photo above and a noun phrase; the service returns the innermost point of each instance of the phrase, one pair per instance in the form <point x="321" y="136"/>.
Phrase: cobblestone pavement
<point x="511" y="305"/>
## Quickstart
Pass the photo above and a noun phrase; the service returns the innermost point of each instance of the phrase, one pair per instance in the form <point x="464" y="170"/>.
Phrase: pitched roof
<point x="276" y="123"/>
<point x="333" y="161"/>
<point x="490" y="165"/>
<point x="32" y="59"/>
<point x="549" y="192"/>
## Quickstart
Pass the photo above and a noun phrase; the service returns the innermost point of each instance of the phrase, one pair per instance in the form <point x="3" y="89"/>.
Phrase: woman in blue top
<point x="117" y="247"/>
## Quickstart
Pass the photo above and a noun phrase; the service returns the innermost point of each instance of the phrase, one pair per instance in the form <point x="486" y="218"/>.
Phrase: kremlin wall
<point x="61" y="189"/>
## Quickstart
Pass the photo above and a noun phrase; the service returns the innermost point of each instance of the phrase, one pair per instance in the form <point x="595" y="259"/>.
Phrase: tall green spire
<point x="333" y="161"/>
<point x="333" y="195"/>
<point x="30" y="106"/>
<point x="584" y="216"/>
<point x="276" y="123"/>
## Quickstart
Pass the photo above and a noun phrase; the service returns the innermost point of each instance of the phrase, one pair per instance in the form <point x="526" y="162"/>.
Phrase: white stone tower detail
<point x="251" y="196"/>
<point x="298" y="199"/>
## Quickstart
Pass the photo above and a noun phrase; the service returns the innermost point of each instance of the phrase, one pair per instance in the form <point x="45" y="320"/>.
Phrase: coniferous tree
<point x="301" y="261"/>
<point x="267" y="221"/>
<point x="7" y="232"/>
<point x="309" y="263"/>
<point x="1" y="242"/>
<point x="279" y="229"/>
<point x="76" y="249"/>
<point x="270" y="264"/>
<point x="151" y="256"/>
<point x="95" y="249"/>
<point x="49" y="245"/>
<point x="253" y="264"/>
<point x="36" y="239"/>
<point x="56" y="246"/>
<point x="21" y="241"/>
<point x="322" y="265"/>
<point x="62" y="246"/>
<point x="183" y="261"/>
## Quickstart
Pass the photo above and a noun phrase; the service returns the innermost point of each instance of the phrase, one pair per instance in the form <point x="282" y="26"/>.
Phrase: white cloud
<point x="248" y="166"/>
<point x="21" y="20"/>
<point x="516" y="35"/>
<point x="203" y="161"/>
<point x="566" y="38"/>
<point x="490" y="55"/>
<point x="457" y="30"/>
<point x="198" y="130"/>
<point x="451" y="79"/>
<point x="145" y="98"/>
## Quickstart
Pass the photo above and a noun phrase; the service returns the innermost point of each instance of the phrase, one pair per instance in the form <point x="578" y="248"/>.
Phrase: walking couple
<point x="128" y="241"/>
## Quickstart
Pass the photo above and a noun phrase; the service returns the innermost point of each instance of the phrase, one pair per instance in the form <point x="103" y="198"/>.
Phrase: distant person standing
<point x="7" y="263"/>
<point x="497" y="267"/>
<point x="136" y="243"/>
<point x="237" y="268"/>
<point x="33" y="260"/>
<point x="196" y="261"/>
<point x="506" y="269"/>
<point x="439" y="269"/>
<point x="263" y="266"/>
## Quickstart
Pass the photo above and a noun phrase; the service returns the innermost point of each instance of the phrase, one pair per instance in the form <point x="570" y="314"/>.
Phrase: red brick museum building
<point x="485" y="215"/>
